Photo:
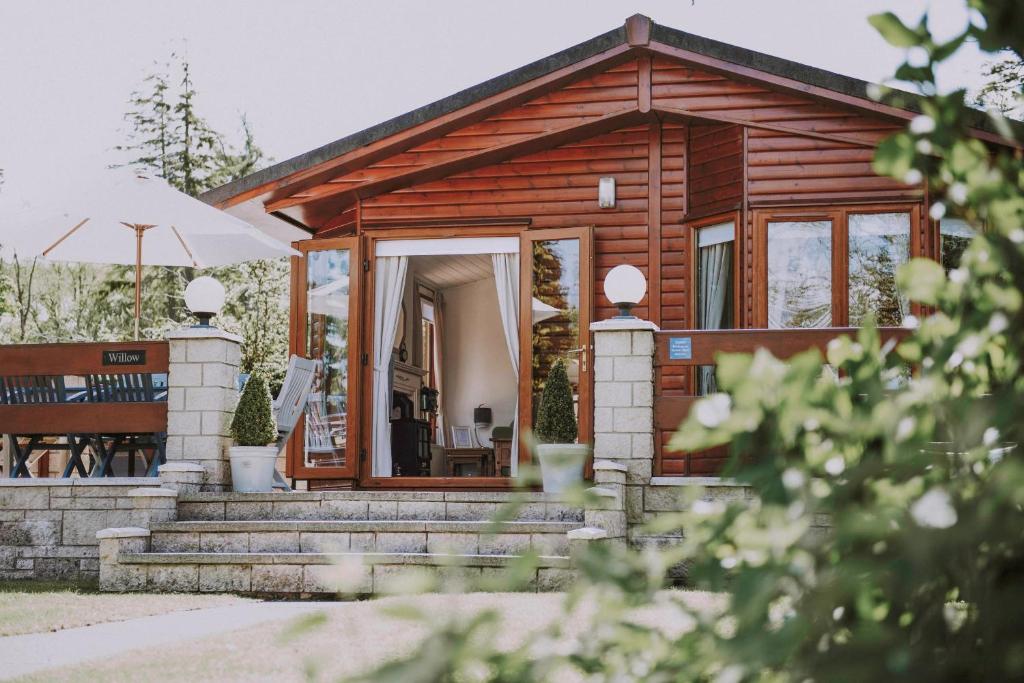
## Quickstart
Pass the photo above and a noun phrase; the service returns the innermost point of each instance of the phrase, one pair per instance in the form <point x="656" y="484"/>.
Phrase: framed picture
<point x="462" y="437"/>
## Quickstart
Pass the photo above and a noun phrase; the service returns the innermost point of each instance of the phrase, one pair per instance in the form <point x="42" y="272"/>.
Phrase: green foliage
<point x="556" y="421"/>
<point x="253" y="422"/>
<point x="883" y="535"/>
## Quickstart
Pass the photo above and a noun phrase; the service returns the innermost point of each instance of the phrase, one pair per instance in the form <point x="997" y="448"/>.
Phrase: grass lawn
<point x="355" y="637"/>
<point x="30" y="607"/>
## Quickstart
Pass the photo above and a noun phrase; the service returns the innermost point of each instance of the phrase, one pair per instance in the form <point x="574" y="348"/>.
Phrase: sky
<point x="307" y="72"/>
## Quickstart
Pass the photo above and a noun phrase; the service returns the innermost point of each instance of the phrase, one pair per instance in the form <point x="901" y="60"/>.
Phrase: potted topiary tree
<point x="252" y="429"/>
<point x="561" y="458"/>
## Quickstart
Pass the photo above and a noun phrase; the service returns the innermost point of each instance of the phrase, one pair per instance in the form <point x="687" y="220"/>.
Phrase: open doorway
<point x="445" y="380"/>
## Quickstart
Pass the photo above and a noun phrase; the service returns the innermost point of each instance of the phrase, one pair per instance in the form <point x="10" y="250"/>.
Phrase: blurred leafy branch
<point x="884" y="539"/>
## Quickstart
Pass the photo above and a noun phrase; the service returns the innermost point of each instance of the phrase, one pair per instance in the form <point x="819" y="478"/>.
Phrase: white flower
<point x="911" y="322"/>
<point x="990" y="436"/>
<point x="922" y="124"/>
<point x="835" y="465"/>
<point x="811" y="424"/>
<point x="793" y="478"/>
<point x="998" y="323"/>
<point x="970" y="346"/>
<point x="958" y="275"/>
<point x="934" y="510"/>
<point x="924" y="146"/>
<point x="838" y="613"/>
<point x="707" y="507"/>
<point x="713" y="410"/>
<point x="730" y="674"/>
<point x="955" y="360"/>
<point x="913" y="177"/>
<point x="728" y="562"/>
<point x="905" y="428"/>
<point x="1017" y="235"/>
<point x="958" y="193"/>
<point x="875" y="91"/>
<point x="937" y="211"/>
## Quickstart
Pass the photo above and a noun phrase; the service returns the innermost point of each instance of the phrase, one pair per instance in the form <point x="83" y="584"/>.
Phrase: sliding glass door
<point x="325" y="284"/>
<point x="556" y="305"/>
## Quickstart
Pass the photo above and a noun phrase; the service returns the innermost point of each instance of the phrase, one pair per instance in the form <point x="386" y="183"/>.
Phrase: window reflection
<point x="879" y="244"/>
<point x="954" y="236"/>
<point x="555" y="292"/>
<point x="799" y="274"/>
<point x="327" y="324"/>
<point x="715" y="246"/>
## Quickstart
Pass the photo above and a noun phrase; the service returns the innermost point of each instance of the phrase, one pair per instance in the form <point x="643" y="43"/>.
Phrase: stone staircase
<point x="353" y="542"/>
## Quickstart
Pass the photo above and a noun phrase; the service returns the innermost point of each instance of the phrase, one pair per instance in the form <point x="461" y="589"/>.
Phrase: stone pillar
<point x="183" y="477"/>
<point x="115" y="577"/>
<point x="624" y="403"/>
<point x="607" y="510"/>
<point x="202" y="393"/>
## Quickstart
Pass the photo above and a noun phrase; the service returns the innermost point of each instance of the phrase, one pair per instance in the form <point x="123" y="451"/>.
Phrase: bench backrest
<point x="291" y="402"/>
<point x="31" y="390"/>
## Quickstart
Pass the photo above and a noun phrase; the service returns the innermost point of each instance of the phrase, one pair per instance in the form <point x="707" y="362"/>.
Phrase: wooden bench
<point x="100" y="397"/>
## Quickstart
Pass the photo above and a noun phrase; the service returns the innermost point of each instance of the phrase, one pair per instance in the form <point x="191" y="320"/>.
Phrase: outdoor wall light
<point x="606" y="193"/>
<point x="204" y="296"/>
<point x="625" y="286"/>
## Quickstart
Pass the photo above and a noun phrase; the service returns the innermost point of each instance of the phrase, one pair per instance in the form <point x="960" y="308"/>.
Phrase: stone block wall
<point x="48" y="526"/>
<point x="203" y="391"/>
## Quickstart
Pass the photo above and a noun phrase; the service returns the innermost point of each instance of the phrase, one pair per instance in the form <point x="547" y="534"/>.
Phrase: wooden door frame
<point x="365" y="478"/>
<point x="295" y="459"/>
<point x="586" y="382"/>
<point x="839" y="216"/>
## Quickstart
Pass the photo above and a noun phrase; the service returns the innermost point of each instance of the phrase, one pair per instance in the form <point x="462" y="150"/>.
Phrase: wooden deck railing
<point x="692" y="349"/>
<point x="91" y="389"/>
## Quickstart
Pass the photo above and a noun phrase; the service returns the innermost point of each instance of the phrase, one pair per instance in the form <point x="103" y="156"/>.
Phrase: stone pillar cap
<point x="203" y="333"/>
<point x="153" y="493"/>
<point x="587" y="533"/>
<point x="122" y="532"/>
<point x="600" y="465"/>
<point x="620" y="324"/>
<point x="181" y="467"/>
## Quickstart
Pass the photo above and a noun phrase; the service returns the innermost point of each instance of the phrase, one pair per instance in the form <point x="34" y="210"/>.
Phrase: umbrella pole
<point x="138" y="277"/>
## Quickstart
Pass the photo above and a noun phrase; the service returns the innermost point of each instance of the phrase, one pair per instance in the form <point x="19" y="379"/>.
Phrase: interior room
<point x="453" y="386"/>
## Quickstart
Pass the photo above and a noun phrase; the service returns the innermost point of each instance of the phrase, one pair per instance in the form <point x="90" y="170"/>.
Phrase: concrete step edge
<point x="360" y="525"/>
<point x="434" y="559"/>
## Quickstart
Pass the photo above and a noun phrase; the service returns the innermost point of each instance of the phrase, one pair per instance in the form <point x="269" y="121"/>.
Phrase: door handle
<point x="583" y="357"/>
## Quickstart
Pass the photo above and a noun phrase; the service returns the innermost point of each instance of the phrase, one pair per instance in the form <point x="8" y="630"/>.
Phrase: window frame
<point x="693" y="230"/>
<point x="840" y="219"/>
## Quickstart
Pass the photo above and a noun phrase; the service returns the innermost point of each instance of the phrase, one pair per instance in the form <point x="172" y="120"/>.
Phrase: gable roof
<point x="638" y="31"/>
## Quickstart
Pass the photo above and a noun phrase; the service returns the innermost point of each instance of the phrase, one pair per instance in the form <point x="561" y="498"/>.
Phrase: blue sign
<point x="680" y="348"/>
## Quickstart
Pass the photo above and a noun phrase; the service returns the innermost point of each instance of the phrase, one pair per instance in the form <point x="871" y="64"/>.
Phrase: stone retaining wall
<point x="48" y="526"/>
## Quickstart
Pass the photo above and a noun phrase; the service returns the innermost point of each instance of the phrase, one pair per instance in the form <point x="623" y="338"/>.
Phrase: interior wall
<point x="477" y="368"/>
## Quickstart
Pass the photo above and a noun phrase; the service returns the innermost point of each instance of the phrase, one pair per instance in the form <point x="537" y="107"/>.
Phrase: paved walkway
<point x="33" y="652"/>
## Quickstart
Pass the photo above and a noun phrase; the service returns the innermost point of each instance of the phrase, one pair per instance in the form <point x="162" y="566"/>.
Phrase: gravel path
<point x="25" y="654"/>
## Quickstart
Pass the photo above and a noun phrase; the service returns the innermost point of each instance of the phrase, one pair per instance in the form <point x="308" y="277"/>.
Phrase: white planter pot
<point x="561" y="465"/>
<point x="252" y="468"/>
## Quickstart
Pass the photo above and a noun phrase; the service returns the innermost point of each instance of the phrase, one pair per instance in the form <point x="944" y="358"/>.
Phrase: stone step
<point x="376" y="505"/>
<point x="285" y="574"/>
<point x="363" y="536"/>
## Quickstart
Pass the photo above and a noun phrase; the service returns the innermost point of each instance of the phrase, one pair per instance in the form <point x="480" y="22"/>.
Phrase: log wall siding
<point x="715" y="168"/>
<point x="794" y="151"/>
<point x="556" y="188"/>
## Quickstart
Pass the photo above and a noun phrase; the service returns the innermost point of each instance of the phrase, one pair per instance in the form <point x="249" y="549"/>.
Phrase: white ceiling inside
<point x="446" y="271"/>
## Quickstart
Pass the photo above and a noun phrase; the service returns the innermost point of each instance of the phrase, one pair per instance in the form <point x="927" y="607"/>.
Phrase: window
<point x="799" y="273"/>
<point x="879" y="243"/>
<point x="954" y="236"/>
<point x="831" y="267"/>
<point x="714" y="287"/>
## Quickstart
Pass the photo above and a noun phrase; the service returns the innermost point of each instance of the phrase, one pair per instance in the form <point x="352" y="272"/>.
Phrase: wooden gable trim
<point x="306" y="179"/>
<point x="345" y="194"/>
<point x="818" y="93"/>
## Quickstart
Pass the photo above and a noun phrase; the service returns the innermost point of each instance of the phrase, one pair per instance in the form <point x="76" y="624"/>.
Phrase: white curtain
<point x="715" y="272"/>
<point x="439" y="365"/>
<point x="389" y="286"/>
<point x="506" y="279"/>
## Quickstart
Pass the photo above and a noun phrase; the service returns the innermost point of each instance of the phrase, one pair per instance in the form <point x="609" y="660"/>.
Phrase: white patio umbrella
<point x="128" y="218"/>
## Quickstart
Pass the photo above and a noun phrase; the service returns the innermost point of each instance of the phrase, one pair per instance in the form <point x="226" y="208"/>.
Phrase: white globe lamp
<point x="625" y="286"/>
<point x="204" y="296"/>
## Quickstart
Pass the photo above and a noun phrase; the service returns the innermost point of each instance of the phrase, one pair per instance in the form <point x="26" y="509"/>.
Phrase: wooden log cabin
<point x="470" y="231"/>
